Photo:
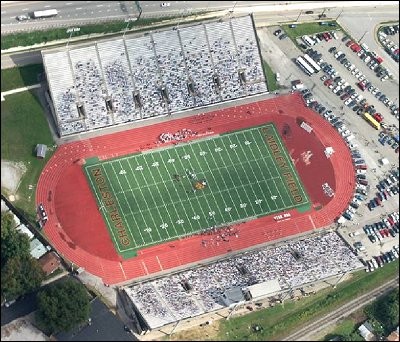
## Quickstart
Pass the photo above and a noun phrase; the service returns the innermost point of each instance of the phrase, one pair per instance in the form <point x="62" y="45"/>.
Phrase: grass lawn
<point x="23" y="125"/>
<point x="345" y="327"/>
<point x="20" y="77"/>
<point x="309" y="29"/>
<point x="30" y="38"/>
<point x="279" y="321"/>
<point x="271" y="77"/>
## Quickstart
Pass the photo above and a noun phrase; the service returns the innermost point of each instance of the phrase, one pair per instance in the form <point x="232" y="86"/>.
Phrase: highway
<point x="305" y="333"/>
<point x="89" y="11"/>
<point x="74" y="12"/>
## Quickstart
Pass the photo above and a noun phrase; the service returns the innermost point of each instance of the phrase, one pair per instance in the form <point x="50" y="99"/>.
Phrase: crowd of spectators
<point x="177" y="136"/>
<point x="199" y="290"/>
<point x="160" y="73"/>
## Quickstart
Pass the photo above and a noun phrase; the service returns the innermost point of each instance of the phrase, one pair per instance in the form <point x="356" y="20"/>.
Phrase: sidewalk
<point x="18" y="90"/>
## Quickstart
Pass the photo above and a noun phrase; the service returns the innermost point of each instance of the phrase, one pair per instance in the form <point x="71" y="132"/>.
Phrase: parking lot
<point x="281" y="55"/>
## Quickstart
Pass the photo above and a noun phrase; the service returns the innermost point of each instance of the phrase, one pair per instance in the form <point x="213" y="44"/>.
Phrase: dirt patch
<point x="22" y="330"/>
<point x="11" y="175"/>
<point x="204" y="333"/>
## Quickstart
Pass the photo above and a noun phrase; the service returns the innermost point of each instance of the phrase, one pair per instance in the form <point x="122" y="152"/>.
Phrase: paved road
<point x="345" y="310"/>
<point x="71" y="12"/>
<point x="77" y="11"/>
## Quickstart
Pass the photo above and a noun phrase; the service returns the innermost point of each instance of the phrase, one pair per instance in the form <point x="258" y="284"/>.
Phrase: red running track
<point x="76" y="228"/>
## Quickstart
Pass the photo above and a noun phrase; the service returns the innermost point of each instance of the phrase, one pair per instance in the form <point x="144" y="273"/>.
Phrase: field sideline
<point x="175" y="191"/>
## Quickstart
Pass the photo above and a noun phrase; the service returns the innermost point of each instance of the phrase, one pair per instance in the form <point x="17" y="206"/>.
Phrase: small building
<point x="366" y="331"/>
<point x="232" y="296"/>
<point x="25" y="230"/>
<point x="49" y="262"/>
<point x="37" y="249"/>
<point x="41" y="150"/>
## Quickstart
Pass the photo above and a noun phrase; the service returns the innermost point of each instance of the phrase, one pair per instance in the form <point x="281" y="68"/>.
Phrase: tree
<point x="20" y="275"/>
<point x="62" y="306"/>
<point x="385" y="310"/>
<point x="12" y="242"/>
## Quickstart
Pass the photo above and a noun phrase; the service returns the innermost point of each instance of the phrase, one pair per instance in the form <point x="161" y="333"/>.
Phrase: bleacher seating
<point x="170" y="70"/>
<point x="294" y="264"/>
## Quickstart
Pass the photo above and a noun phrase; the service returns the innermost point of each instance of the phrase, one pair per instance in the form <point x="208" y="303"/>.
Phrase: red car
<point x="378" y="117"/>
<point x="328" y="82"/>
<point x="350" y="42"/>
<point x="361" y="85"/>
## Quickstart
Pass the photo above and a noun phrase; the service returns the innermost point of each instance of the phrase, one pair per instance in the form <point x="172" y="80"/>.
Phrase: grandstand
<point x="159" y="73"/>
<point x="199" y="290"/>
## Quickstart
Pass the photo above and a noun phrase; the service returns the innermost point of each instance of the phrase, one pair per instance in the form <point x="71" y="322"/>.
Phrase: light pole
<point x="128" y="20"/>
<point x="71" y="30"/>
<point x="299" y="16"/>
<point x="233" y="8"/>
<point x="363" y="36"/>
<point x="340" y="14"/>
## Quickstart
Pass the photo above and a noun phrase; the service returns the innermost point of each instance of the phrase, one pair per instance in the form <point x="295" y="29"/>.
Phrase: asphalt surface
<point x="74" y="11"/>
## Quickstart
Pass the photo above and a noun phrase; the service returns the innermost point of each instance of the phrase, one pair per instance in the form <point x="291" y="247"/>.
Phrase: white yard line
<point x="170" y="218"/>
<point x="145" y="221"/>
<point x="233" y="182"/>
<point x="267" y="166"/>
<point x="245" y="173"/>
<point x="255" y="176"/>
<point x="137" y="204"/>
<point x="205" y="197"/>
<point x="188" y="198"/>
<point x="176" y="190"/>
<point x="215" y="181"/>
<point x="197" y="196"/>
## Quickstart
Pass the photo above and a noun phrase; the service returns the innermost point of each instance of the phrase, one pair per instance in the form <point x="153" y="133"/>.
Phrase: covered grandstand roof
<point x="264" y="289"/>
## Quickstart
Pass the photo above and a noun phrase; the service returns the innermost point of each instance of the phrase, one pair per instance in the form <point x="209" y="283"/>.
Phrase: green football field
<point x="174" y="191"/>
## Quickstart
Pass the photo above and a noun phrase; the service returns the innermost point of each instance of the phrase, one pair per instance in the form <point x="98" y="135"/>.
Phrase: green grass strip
<point x="20" y="77"/>
<point x="281" y="320"/>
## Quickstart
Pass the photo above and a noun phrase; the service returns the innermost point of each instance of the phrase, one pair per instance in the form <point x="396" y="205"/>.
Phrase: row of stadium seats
<point x="293" y="264"/>
<point x="123" y="80"/>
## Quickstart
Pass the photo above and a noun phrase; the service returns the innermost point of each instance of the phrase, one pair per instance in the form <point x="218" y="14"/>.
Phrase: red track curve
<point x="76" y="228"/>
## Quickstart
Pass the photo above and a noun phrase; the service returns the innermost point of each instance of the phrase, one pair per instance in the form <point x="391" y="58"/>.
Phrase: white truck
<point x="44" y="14"/>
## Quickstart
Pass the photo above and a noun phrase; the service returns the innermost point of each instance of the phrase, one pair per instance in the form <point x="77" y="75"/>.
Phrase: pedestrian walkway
<point x="18" y="90"/>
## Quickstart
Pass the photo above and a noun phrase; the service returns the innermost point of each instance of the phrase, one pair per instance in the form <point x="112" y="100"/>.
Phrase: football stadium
<point x="202" y="164"/>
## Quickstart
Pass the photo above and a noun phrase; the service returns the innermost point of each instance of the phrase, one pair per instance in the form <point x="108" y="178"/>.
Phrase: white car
<point x="165" y="4"/>
<point x="361" y="78"/>
<point x="348" y="101"/>
<point x="337" y="54"/>
<point x="336" y="89"/>
<point x="22" y="17"/>
<point x="361" y="172"/>
<point x="355" y="71"/>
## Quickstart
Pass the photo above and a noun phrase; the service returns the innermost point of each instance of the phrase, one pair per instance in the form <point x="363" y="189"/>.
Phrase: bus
<point x="309" y="41"/>
<point x="304" y="66"/>
<point x="314" y="64"/>
<point x="44" y="14"/>
<point x="372" y="121"/>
